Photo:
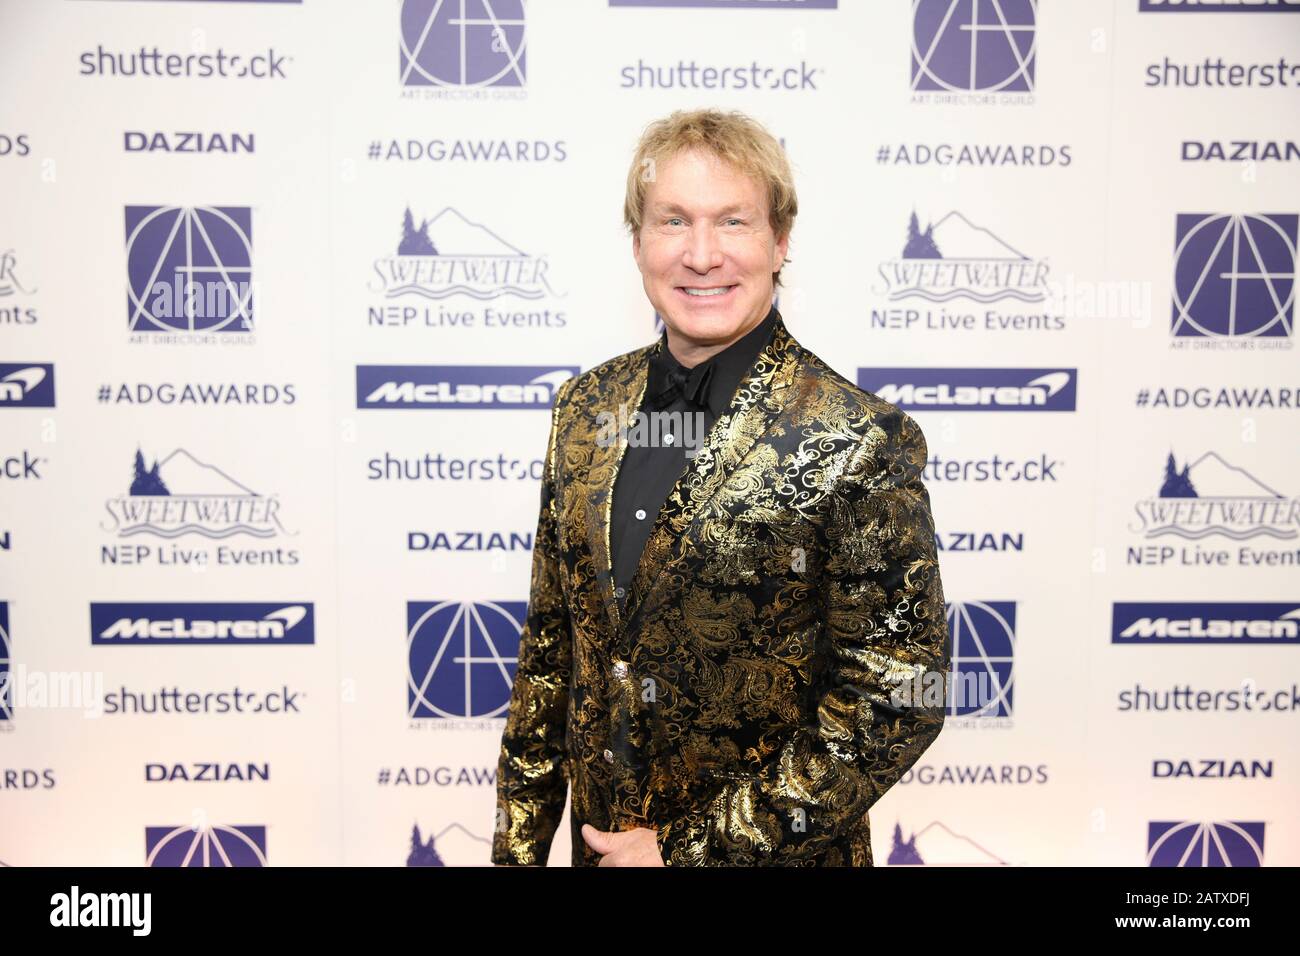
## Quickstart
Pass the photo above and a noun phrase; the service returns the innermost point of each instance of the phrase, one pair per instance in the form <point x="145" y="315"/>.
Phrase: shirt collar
<point x="729" y="365"/>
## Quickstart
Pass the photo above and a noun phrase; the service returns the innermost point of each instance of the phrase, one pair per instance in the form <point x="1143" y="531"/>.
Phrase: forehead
<point x="699" y="178"/>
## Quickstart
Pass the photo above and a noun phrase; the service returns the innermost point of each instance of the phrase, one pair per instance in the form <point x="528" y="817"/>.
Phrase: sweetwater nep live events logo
<point x="189" y="274"/>
<point x="180" y="495"/>
<point x="207" y="845"/>
<point x="449" y="257"/>
<point x="954" y="258"/>
<point x="26" y="385"/>
<point x="14" y="293"/>
<point x="974" y="51"/>
<point x="192" y="623"/>
<point x="469" y="49"/>
<point x="1211" y="497"/>
<point x="460" y="386"/>
<point x="973" y="389"/>
<point x="1234" y="281"/>
<point x="1233" y="623"/>
<point x="461" y="661"/>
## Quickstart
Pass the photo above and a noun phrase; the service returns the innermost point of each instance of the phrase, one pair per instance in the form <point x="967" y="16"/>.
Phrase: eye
<point x="674" y="219"/>
<point x="735" y="220"/>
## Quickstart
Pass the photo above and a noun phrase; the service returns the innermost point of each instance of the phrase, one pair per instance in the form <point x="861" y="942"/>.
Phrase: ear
<point x="782" y="245"/>
<point x="636" y="246"/>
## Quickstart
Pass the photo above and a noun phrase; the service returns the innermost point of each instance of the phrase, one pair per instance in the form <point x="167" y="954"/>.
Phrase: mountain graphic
<point x="935" y="844"/>
<point x="451" y="234"/>
<point x="958" y="238"/>
<point x="454" y="838"/>
<point x="1212" y="476"/>
<point x="962" y="239"/>
<point x="180" y="473"/>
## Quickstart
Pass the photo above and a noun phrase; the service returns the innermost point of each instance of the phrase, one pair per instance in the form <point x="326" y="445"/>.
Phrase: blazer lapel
<point x="758" y="400"/>
<point x="624" y="389"/>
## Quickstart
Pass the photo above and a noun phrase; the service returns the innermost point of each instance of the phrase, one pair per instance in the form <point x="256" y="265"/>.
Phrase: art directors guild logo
<point x="179" y="496"/>
<point x="461" y="661"/>
<point x="189" y="274"/>
<point x="467" y="49"/>
<point x="1212" y="497"/>
<point x="449" y="258"/>
<point x="974" y="51"/>
<point x="1234" y="281"/>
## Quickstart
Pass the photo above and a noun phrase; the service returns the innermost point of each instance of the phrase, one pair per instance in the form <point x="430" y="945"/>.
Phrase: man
<point x="724" y="644"/>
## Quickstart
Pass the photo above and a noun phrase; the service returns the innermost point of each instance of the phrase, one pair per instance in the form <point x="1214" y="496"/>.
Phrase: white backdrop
<point x="1105" y="201"/>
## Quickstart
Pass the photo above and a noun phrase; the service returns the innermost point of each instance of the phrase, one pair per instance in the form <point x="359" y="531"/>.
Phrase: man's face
<point x="706" y="250"/>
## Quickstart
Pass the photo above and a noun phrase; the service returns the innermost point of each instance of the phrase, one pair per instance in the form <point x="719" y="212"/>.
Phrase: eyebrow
<point x="662" y="208"/>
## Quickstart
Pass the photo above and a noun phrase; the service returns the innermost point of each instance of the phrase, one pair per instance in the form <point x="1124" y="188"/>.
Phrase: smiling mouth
<point x="706" y="292"/>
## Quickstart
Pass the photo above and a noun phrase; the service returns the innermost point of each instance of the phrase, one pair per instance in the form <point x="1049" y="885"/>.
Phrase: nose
<point x="703" y="251"/>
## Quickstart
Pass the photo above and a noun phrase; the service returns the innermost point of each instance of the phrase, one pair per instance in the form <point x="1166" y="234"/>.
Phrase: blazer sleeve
<point x="882" y="697"/>
<point x="532" y="782"/>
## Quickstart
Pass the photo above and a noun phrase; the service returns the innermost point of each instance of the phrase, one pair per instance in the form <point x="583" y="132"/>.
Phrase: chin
<point x="706" y="324"/>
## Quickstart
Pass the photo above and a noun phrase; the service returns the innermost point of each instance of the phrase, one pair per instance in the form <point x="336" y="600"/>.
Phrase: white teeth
<point x="707" y="291"/>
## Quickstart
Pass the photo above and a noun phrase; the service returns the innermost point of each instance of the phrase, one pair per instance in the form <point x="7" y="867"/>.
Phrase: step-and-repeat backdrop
<point x="286" y="289"/>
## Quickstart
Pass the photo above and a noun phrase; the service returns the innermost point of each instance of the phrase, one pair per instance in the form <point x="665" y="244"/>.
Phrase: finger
<point x="598" y="840"/>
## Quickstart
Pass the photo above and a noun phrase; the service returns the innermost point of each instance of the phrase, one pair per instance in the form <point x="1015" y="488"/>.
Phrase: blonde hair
<point x="733" y="138"/>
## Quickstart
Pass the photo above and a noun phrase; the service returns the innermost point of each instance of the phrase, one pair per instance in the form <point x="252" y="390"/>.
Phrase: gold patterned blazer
<point x="747" y="702"/>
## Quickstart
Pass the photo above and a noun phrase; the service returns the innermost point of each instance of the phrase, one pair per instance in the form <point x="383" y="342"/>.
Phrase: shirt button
<point x="609" y="756"/>
<point x="640" y="514"/>
<point x="668" y="439"/>
<point x="618" y="592"/>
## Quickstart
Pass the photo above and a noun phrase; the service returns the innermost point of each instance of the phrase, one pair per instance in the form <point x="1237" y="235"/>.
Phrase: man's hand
<point x="638" y="847"/>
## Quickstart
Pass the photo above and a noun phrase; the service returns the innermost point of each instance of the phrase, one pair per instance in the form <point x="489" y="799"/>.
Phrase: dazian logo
<point x="208" y="845"/>
<point x="1197" y="843"/>
<point x="1202" y="623"/>
<point x="193" y="623"/>
<point x="1210" y="768"/>
<point x="187" y="141"/>
<point x="207" y="772"/>
<point x="461" y="657"/>
<point x="460" y="386"/>
<point x="26" y="385"/>
<point x="189" y="269"/>
<point x="179" y="494"/>
<point x="449" y="255"/>
<point x="1234" y="277"/>
<point x="1212" y="496"/>
<point x="982" y="645"/>
<point x="129" y="910"/>
<point x="974" y="389"/>
<point x="954" y="258"/>
<point x="974" y="45"/>
<point x="472" y="44"/>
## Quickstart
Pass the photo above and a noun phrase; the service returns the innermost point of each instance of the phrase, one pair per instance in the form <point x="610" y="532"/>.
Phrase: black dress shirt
<point x="649" y="470"/>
